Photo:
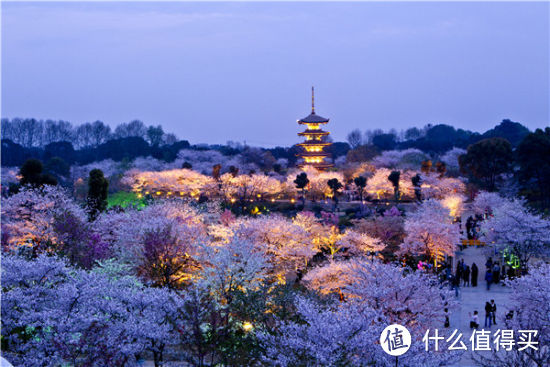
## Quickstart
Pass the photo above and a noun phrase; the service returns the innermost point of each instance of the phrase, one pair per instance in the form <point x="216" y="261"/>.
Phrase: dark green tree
<point x="216" y="171"/>
<point x="486" y="160"/>
<point x="335" y="186"/>
<point x="58" y="166"/>
<point x="441" y="168"/>
<point x="97" y="193"/>
<point x="155" y="135"/>
<point x="533" y="158"/>
<point x="301" y="183"/>
<point x="31" y="174"/>
<point x="360" y="182"/>
<point x="417" y="182"/>
<point x="394" y="177"/>
<point x="512" y="131"/>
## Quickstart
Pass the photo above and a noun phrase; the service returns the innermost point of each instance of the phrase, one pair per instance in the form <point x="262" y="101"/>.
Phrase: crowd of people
<point x="467" y="275"/>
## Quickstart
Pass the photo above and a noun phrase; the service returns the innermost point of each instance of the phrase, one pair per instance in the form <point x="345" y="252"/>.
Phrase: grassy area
<point x="125" y="199"/>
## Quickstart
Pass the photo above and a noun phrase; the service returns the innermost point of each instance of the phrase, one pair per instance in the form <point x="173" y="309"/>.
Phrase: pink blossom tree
<point x="430" y="231"/>
<point x="513" y="226"/>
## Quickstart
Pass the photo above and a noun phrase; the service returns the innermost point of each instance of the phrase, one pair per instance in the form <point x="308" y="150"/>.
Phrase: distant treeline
<point x="89" y="142"/>
<point x="31" y="133"/>
<point x="435" y="138"/>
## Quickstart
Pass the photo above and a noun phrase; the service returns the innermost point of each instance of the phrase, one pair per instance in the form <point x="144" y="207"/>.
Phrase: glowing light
<point x="233" y="200"/>
<point x="292" y="200"/>
<point x="272" y="200"/>
<point x="247" y="326"/>
<point x="159" y="193"/>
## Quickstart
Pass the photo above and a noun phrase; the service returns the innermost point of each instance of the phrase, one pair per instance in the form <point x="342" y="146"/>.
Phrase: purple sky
<point x="214" y="72"/>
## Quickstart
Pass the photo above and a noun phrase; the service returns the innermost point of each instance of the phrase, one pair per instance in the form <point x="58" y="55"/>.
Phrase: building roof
<point x="313" y="132"/>
<point x="313" y="118"/>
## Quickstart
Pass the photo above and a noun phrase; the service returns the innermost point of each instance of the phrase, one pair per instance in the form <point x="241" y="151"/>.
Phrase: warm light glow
<point x="313" y="126"/>
<point x="292" y="200"/>
<point x="159" y="193"/>
<point x="233" y="200"/>
<point x="247" y="326"/>
<point x="313" y="159"/>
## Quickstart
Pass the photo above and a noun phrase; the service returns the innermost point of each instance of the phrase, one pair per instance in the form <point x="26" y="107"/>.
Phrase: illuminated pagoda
<point x="313" y="148"/>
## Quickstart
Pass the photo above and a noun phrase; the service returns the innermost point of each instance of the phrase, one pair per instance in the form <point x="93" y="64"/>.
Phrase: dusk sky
<point x="214" y="72"/>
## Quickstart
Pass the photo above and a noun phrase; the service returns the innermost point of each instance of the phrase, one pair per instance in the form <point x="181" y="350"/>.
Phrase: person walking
<point x="474" y="275"/>
<point x="496" y="273"/>
<point x="456" y="285"/>
<point x="447" y="321"/>
<point x="466" y="276"/>
<point x="458" y="272"/>
<point x="474" y="320"/>
<point x="494" y="311"/>
<point x="488" y="314"/>
<point x="488" y="278"/>
<point x="489" y="263"/>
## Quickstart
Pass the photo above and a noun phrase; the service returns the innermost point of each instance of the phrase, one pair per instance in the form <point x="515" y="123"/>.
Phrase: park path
<point x="474" y="298"/>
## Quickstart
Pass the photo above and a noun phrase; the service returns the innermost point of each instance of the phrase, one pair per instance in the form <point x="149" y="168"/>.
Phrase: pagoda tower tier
<point x="313" y="149"/>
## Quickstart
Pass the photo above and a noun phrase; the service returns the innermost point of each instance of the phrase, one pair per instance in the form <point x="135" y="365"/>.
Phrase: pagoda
<point x="314" y="147"/>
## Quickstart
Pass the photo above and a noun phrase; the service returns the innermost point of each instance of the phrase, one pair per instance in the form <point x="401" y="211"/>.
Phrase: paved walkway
<point x="474" y="298"/>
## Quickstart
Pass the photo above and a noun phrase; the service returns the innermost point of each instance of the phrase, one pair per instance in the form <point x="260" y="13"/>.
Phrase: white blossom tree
<point x="530" y="307"/>
<point x="430" y="231"/>
<point x="513" y="226"/>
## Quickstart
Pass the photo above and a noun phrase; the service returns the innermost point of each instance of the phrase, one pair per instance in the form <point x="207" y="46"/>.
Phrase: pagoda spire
<point x="313" y="153"/>
<point x="312" y="100"/>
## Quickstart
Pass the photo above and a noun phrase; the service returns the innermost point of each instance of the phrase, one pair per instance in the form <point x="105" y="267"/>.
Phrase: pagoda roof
<point x="313" y="118"/>
<point x="313" y="132"/>
<point x="316" y="165"/>
<point x="314" y="154"/>
<point x="315" y="143"/>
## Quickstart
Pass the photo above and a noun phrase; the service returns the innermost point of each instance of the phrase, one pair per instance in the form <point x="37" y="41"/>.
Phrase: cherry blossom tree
<point x="175" y="182"/>
<point x="389" y="229"/>
<point x="530" y="307"/>
<point x="513" y="226"/>
<point x="450" y="158"/>
<point x="400" y="159"/>
<point x="377" y="295"/>
<point x="325" y="336"/>
<point x="287" y="245"/>
<point x="485" y="202"/>
<point x="249" y="187"/>
<point x="435" y="187"/>
<point x="28" y="217"/>
<point x="454" y="203"/>
<point x="353" y="243"/>
<point x="163" y="248"/>
<point x="218" y="305"/>
<point x="430" y="231"/>
<point x="53" y="315"/>
<point x="329" y="278"/>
